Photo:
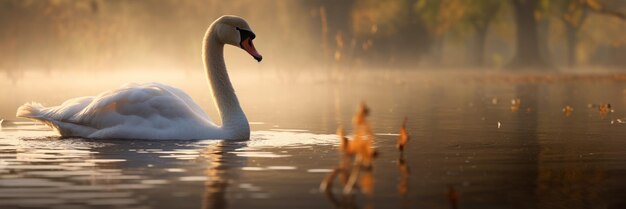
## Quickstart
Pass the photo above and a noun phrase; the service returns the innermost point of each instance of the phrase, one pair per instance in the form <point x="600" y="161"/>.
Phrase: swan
<point x="159" y="111"/>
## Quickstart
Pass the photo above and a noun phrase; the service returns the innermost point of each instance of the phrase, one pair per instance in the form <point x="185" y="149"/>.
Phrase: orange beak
<point x="249" y="47"/>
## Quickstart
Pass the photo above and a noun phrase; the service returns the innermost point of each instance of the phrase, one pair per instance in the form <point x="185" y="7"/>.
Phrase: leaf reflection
<point x="403" y="183"/>
<point x="355" y="165"/>
<point x="453" y="197"/>
<point x="403" y="168"/>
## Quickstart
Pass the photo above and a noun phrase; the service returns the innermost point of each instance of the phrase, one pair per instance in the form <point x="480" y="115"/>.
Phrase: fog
<point x="85" y="47"/>
<point x="510" y="103"/>
<point x="101" y="35"/>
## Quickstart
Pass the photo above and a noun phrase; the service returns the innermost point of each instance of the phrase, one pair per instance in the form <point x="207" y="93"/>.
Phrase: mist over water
<point x="484" y="132"/>
<point x="466" y="134"/>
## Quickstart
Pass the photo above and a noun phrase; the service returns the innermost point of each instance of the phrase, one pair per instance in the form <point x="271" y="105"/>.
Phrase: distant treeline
<point x="104" y="34"/>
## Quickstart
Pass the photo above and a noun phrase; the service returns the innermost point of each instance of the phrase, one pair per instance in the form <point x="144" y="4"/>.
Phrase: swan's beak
<point x="249" y="47"/>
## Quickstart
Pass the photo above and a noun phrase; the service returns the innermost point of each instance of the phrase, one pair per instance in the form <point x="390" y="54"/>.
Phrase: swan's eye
<point x="245" y="34"/>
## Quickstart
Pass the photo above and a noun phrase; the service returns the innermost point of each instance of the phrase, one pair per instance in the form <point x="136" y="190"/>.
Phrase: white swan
<point x="158" y="111"/>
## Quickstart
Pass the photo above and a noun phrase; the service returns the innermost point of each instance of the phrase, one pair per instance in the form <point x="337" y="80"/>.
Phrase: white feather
<point x="154" y="110"/>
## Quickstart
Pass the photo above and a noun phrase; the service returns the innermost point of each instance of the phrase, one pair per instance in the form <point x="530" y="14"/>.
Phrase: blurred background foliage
<point x="296" y="35"/>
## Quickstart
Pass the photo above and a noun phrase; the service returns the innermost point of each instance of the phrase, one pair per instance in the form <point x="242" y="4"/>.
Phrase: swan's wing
<point x="148" y="111"/>
<point x="193" y="106"/>
<point x="134" y="104"/>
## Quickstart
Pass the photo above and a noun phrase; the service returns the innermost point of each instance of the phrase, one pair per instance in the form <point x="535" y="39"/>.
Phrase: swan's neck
<point x="224" y="96"/>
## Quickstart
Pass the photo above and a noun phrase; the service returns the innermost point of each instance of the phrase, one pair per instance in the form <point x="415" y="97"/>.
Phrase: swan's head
<point x="235" y="31"/>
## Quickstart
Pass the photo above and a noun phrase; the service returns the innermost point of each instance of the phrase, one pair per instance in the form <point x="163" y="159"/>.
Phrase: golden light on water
<point x="495" y="117"/>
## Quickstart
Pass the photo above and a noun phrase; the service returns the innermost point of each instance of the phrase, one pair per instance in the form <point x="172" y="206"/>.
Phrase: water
<point x="470" y="148"/>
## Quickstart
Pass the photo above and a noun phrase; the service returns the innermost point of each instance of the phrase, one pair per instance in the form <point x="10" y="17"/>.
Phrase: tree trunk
<point x="571" y="45"/>
<point x="437" y="50"/>
<point x="481" y="37"/>
<point x="527" y="53"/>
<point x="543" y="34"/>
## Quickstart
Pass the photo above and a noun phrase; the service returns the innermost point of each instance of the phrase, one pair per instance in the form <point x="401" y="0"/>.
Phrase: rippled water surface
<point x="470" y="147"/>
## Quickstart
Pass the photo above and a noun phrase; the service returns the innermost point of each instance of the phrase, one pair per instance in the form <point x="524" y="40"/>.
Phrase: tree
<point x="479" y="15"/>
<point x="439" y="16"/>
<point x="388" y="32"/>
<point x="573" y="14"/>
<point x="527" y="51"/>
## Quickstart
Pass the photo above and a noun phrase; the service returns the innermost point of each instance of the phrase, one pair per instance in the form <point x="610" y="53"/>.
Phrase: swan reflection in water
<point x="219" y="173"/>
<point x="39" y="170"/>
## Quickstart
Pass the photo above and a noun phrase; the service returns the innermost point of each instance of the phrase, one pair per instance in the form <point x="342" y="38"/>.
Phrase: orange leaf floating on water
<point x="363" y="147"/>
<point x="362" y="144"/>
<point x="404" y="136"/>
<point x="605" y="108"/>
<point x="361" y="114"/>
<point x="358" y="154"/>
<point x="568" y="110"/>
<point x="601" y="107"/>
<point x="344" y="145"/>
<point x="515" y="104"/>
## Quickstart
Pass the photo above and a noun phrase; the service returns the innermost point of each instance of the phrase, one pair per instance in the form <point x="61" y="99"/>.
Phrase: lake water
<point x="478" y="140"/>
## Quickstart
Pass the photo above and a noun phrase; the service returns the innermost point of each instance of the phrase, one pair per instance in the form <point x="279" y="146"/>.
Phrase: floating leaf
<point x="362" y="144"/>
<point x="605" y="108"/>
<point x="344" y="145"/>
<point x="515" y="104"/>
<point x="404" y="136"/>
<point x="358" y="154"/>
<point x="361" y="114"/>
<point x="568" y="110"/>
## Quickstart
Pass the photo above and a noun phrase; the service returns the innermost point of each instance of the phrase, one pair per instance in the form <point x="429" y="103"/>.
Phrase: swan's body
<point x="159" y="111"/>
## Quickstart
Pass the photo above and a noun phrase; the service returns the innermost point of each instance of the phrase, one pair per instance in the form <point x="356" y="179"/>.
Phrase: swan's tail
<point x="35" y="111"/>
<point x="30" y="110"/>
<point x="38" y="112"/>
